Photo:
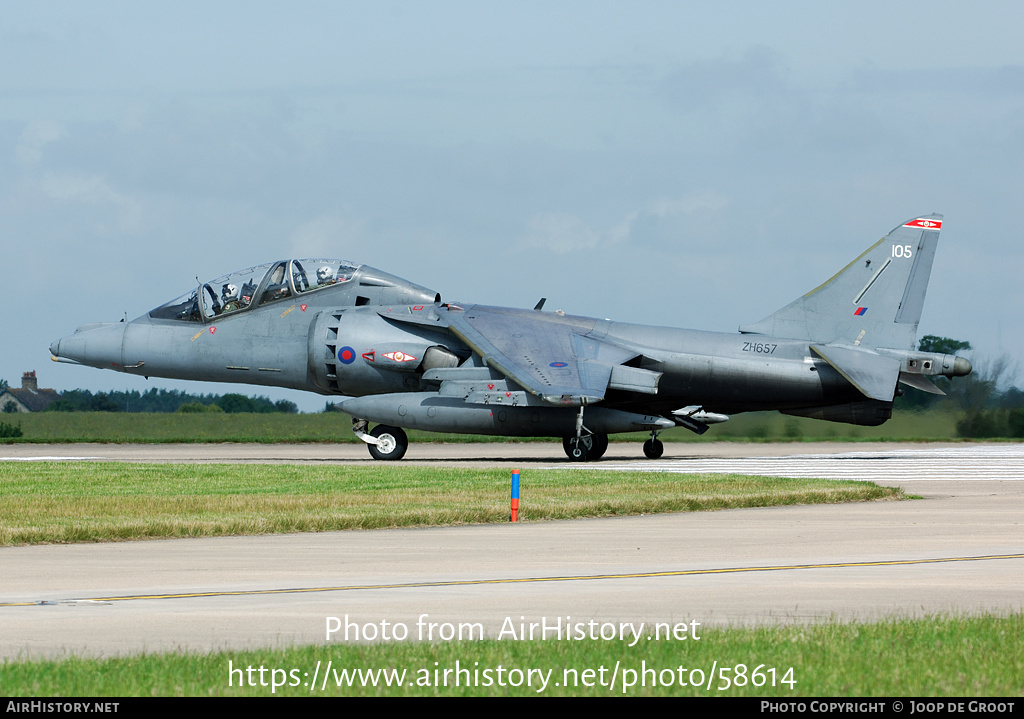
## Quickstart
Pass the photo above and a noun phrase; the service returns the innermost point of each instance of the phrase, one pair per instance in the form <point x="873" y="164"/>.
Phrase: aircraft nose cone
<point x="96" y="345"/>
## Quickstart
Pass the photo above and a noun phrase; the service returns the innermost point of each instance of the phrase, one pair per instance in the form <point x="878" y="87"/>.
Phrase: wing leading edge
<point x="551" y="356"/>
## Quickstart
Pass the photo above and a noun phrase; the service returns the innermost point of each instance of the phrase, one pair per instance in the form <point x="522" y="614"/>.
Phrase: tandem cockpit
<point x="319" y="281"/>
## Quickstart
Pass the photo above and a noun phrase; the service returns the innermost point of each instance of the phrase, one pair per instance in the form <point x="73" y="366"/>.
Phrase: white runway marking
<point x="901" y="465"/>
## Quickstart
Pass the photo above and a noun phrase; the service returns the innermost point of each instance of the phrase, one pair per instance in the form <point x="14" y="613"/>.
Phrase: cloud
<point x="36" y="136"/>
<point x="561" y="232"/>
<point x="94" y="191"/>
<point x="756" y="79"/>
<point x="687" y="205"/>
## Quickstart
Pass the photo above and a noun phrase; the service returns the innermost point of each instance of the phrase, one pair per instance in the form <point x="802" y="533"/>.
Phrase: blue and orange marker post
<point x="515" y="495"/>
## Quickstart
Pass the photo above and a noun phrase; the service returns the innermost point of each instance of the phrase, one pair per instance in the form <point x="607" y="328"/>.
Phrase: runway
<point x="959" y="549"/>
<point x="882" y="465"/>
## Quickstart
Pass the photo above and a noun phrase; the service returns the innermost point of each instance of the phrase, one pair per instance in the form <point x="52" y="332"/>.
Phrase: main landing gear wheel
<point x="578" y="449"/>
<point x="654" y="448"/>
<point x="585" y="449"/>
<point x="391" y="442"/>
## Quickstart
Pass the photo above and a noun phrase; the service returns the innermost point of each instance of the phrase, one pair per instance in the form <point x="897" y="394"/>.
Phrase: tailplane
<point x="875" y="301"/>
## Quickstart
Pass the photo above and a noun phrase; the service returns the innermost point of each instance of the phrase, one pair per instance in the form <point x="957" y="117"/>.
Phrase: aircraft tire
<point x="587" y="448"/>
<point x="393" y="440"/>
<point x="578" y="450"/>
<point x="654" y="448"/>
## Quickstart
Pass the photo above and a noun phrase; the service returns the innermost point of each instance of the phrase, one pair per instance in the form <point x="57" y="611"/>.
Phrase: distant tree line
<point x="163" y="400"/>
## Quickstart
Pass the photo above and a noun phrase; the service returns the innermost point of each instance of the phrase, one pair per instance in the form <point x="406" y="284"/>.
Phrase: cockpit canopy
<point x="256" y="286"/>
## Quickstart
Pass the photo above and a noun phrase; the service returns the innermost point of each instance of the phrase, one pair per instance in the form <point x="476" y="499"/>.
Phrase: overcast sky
<point x="686" y="164"/>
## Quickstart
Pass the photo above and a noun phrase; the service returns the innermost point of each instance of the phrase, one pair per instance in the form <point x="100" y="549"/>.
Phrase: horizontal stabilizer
<point x="920" y="382"/>
<point x="874" y="375"/>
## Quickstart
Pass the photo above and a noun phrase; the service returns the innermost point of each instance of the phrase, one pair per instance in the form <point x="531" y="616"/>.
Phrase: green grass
<point x="117" y="427"/>
<point x="107" y="501"/>
<point x="122" y="427"/>
<point x="932" y="657"/>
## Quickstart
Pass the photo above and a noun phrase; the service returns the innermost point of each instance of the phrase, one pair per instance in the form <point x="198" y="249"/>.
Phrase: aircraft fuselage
<point x="395" y="354"/>
<point x="341" y="351"/>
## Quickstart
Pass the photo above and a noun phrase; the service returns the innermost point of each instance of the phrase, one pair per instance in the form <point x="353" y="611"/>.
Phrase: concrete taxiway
<point x="959" y="549"/>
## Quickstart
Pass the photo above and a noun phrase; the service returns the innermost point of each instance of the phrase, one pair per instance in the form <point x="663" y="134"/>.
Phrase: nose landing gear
<point x="384" y="442"/>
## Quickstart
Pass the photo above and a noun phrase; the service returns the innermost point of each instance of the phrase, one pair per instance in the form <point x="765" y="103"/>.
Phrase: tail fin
<point x="874" y="301"/>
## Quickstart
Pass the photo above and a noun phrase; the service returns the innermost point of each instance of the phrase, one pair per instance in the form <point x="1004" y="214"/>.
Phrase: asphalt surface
<point x="960" y="549"/>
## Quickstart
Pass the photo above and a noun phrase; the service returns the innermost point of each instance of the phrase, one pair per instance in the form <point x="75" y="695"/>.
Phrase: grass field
<point x="117" y="427"/>
<point x="84" y="502"/>
<point x="935" y="657"/>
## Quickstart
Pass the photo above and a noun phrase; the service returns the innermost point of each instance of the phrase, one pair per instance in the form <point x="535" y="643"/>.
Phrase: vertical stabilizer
<point x="875" y="301"/>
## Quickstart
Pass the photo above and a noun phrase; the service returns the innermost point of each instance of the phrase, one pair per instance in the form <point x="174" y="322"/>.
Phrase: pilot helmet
<point x="324" y="275"/>
<point x="229" y="292"/>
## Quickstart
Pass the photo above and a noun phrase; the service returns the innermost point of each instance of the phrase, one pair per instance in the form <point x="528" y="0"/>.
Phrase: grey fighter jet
<point x="399" y="356"/>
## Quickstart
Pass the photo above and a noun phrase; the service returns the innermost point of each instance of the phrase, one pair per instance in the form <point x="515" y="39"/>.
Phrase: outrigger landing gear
<point x="654" y="447"/>
<point x="384" y="442"/>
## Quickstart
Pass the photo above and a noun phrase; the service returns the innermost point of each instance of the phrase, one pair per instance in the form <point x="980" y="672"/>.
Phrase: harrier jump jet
<point x="399" y="356"/>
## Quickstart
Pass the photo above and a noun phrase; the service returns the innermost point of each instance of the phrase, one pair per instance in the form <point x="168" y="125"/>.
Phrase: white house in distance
<point x="29" y="398"/>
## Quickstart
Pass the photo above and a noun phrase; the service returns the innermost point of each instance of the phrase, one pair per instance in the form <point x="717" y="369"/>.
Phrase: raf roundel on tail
<point x="399" y="356"/>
